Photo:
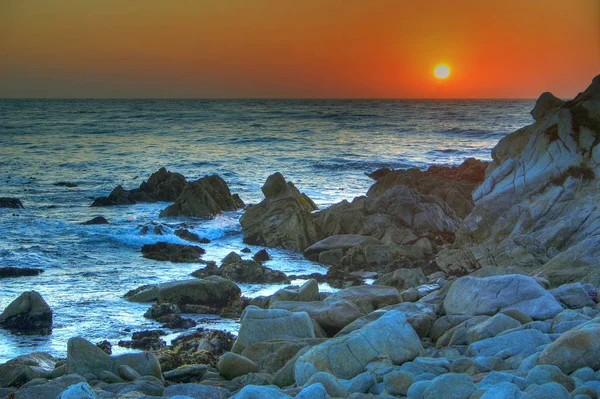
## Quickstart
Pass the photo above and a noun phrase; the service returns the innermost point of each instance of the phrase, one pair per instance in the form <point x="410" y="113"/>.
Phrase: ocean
<point x="324" y="146"/>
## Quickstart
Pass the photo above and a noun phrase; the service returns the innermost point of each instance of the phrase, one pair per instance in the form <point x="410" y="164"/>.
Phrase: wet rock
<point x="22" y="369"/>
<point x="83" y="357"/>
<point x="212" y="291"/>
<point x="281" y="219"/>
<point x="65" y="184"/>
<point x="9" y="271"/>
<point x="235" y="268"/>
<point x="246" y="250"/>
<point x="161" y="186"/>
<point x="164" y="251"/>
<point x="14" y="203"/>
<point x="261" y="256"/>
<point x="145" y="340"/>
<point x="96" y="220"/>
<point x="105" y="346"/>
<point x="206" y="197"/>
<point x="161" y="309"/>
<point x="201" y="348"/>
<point x="28" y="313"/>
<point x="189" y="236"/>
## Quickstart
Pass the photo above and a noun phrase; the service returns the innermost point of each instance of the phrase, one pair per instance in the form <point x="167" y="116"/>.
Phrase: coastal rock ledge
<point x="538" y="206"/>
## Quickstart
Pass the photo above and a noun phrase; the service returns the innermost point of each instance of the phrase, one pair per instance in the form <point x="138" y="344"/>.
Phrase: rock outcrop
<point x="165" y="251"/>
<point x="204" y="198"/>
<point x="29" y="313"/>
<point x="161" y="186"/>
<point x="7" y="202"/>
<point x="537" y="207"/>
<point x="283" y="219"/>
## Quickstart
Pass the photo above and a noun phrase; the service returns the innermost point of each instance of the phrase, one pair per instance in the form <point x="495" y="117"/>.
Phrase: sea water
<point x="324" y="146"/>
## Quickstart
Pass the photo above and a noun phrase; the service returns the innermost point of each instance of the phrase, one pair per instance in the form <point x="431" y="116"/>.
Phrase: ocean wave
<point x="341" y="165"/>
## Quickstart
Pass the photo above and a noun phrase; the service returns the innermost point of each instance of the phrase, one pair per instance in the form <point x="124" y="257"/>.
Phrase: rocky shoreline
<point x="485" y="285"/>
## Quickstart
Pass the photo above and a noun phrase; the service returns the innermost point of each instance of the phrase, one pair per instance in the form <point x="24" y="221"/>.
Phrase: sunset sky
<point x="297" y="49"/>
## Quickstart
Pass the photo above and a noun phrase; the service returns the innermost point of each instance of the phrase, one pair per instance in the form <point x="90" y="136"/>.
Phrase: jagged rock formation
<point x="161" y="186"/>
<point x="538" y="206"/>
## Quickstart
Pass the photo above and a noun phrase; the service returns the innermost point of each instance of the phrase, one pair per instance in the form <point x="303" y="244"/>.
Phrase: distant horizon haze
<point x="267" y="49"/>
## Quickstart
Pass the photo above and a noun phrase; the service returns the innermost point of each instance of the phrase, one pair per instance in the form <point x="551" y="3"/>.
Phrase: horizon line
<point x="283" y="98"/>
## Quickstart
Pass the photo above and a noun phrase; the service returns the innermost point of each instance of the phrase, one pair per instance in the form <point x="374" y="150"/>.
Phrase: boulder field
<point x="487" y="288"/>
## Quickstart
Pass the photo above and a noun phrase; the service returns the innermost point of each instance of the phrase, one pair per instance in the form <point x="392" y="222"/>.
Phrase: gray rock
<point x="573" y="296"/>
<point x="314" y="391"/>
<point x="232" y="365"/>
<point x="261" y="325"/>
<point x="545" y="104"/>
<point x="574" y="349"/>
<point x="24" y="368"/>
<point x="488" y="296"/>
<point x="497" y="377"/>
<point x="210" y="291"/>
<point x="332" y="315"/>
<point x="27" y="313"/>
<point x="340" y="243"/>
<point x="398" y="382"/>
<point x="368" y="297"/>
<point x="80" y="390"/>
<point x="151" y="388"/>
<point x="551" y="390"/>
<point x="332" y="385"/>
<point x="196" y="391"/>
<point x="83" y="357"/>
<point x="362" y="383"/>
<point x="417" y="389"/>
<point x="456" y="386"/>
<point x="522" y="343"/>
<point x="44" y="391"/>
<point x="547" y="373"/>
<point x="584" y="374"/>
<point x="346" y="356"/>
<point x="260" y="392"/>
<point x="503" y="390"/>
<point x="402" y="278"/>
<point x="491" y="327"/>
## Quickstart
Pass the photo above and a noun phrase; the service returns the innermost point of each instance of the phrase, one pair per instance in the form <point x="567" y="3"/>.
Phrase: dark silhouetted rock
<point x="246" y="250"/>
<point x="261" y="256"/>
<point x="29" y="313"/>
<point x="9" y="271"/>
<point x="96" y="220"/>
<point x="105" y="346"/>
<point x="65" y="184"/>
<point x="189" y="236"/>
<point x="6" y="202"/>
<point x="165" y="251"/>
<point x="161" y="186"/>
<point x="146" y="340"/>
<point x="206" y="197"/>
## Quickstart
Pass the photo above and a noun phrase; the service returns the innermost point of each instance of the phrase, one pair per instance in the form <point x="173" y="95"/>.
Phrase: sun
<point x="441" y="71"/>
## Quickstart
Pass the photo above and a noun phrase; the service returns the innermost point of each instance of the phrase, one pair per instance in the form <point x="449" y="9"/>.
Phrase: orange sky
<point x="309" y="48"/>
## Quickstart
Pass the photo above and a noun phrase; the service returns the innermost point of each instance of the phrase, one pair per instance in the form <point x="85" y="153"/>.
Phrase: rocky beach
<point x="470" y="280"/>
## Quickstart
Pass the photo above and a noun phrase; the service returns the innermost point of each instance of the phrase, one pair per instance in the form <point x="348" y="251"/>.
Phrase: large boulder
<point x="28" y="313"/>
<point x="488" y="296"/>
<point x="25" y="368"/>
<point x="165" y="251"/>
<point x="283" y="219"/>
<point x="574" y="349"/>
<point x="14" y="203"/>
<point x="212" y="291"/>
<point x="368" y="297"/>
<point x="346" y="357"/>
<point x="332" y="315"/>
<point x="233" y="267"/>
<point x="83" y="358"/>
<point x="161" y="186"/>
<point x="206" y="197"/>
<point x="537" y="207"/>
<point x="331" y="249"/>
<point x="261" y="325"/>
